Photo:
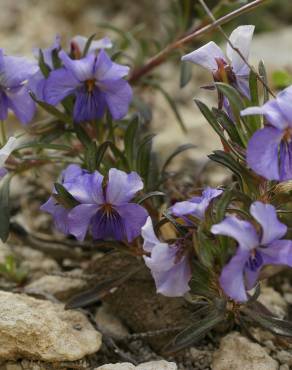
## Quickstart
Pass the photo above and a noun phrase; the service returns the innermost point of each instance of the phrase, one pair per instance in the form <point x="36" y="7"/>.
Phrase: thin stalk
<point x="3" y="133"/>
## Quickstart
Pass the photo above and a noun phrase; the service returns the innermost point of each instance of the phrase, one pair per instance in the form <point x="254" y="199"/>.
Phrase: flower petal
<point x="175" y="282"/>
<point x="134" y="217"/>
<point x="79" y="219"/>
<point x="3" y="172"/>
<point x="251" y="277"/>
<point x="271" y="111"/>
<point x="118" y="95"/>
<point x="242" y="231"/>
<point x="59" y="214"/>
<point x="240" y="38"/>
<point x="285" y="161"/>
<point x="232" y="276"/>
<point x="21" y="103"/>
<point x="206" y="56"/>
<point x="87" y="189"/>
<point x="89" y="105"/>
<point x="150" y="239"/>
<point x="59" y="84"/>
<point x="279" y="252"/>
<point x="82" y="69"/>
<point x="106" y="69"/>
<point x="284" y="99"/>
<point x="7" y="149"/>
<point x="266" y="216"/>
<point x="3" y="106"/>
<point x="122" y="187"/>
<point x="71" y="172"/>
<point x="16" y="70"/>
<point x="262" y="152"/>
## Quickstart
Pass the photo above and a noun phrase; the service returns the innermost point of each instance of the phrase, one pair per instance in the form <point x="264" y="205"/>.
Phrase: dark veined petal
<point x="134" y="217"/>
<point x="89" y="105"/>
<point x="3" y="106"/>
<point x="242" y="231"/>
<point x="108" y="224"/>
<point x="266" y="216"/>
<point x="122" y="187"/>
<point x="285" y="161"/>
<point x="262" y="152"/>
<point x="60" y="84"/>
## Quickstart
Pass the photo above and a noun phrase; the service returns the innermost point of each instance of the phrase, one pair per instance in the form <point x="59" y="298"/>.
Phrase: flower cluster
<point x="103" y="207"/>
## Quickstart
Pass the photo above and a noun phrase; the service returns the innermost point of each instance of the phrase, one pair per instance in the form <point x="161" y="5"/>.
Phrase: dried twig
<point x="163" y="54"/>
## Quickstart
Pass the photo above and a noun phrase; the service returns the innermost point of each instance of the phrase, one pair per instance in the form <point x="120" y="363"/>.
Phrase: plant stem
<point x="3" y="133"/>
<point x="159" y="58"/>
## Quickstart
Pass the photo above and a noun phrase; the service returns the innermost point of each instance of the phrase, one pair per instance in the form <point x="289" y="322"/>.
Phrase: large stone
<point x="238" y="353"/>
<point x="273" y="301"/>
<point x="60" y="287"/>
<point x="153" y="365"/>
<point x="42" y="330"/>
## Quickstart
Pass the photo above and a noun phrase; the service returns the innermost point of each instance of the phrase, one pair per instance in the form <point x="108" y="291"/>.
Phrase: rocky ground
<point x="36" y="332"/>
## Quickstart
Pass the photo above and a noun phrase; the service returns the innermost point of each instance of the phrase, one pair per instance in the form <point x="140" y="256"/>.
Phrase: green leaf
<point x="130" y="141"/>
<point x="178" y="150"/>
<point x="270" y="323"/>
<point x="64" y="198"/>
<point x="82" y="135"/>
<point x="101" y="152"/>
<point x="263" y="74"/>
<point x="210" y="117"/>
<point x="91" y="156"/>
<point x="55" y="59"/>
<point x="52" y="110"/>
<point x="144" y="156"/>
<point x="228" y="125"/>
<point x="195" y="332"/>
<point x="87" y="45"/>
<point x="185" y="73"/>
<point x="45" y="69"/>
<point x="232" y="95"/>
<point x="5" y="209"/>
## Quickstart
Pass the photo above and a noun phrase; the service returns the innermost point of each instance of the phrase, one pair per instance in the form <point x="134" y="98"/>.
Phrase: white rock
<point x="273" y="301"/>
<point x="238" y="353"/>
<point x="157" y="365"/>
<point x="60" y="287"/>
<point x="109" y="324"/>
<point x="41" y="330"/>
<point x="153" y="365"/>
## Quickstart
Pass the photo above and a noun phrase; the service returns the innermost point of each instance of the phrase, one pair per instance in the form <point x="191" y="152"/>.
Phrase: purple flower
<point x="96" y="82"/>
<point x="196" y="206"/>
<point x="255" y="249"/>
<point x="169" y="264"/>
<point x="59" y="213"/>
<point x="269" y="151"/>
<point x="107" y="211"/>
<point x="14" y="94"/>
<point x="5" y="152"/>
<point x="233" y="68"/>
